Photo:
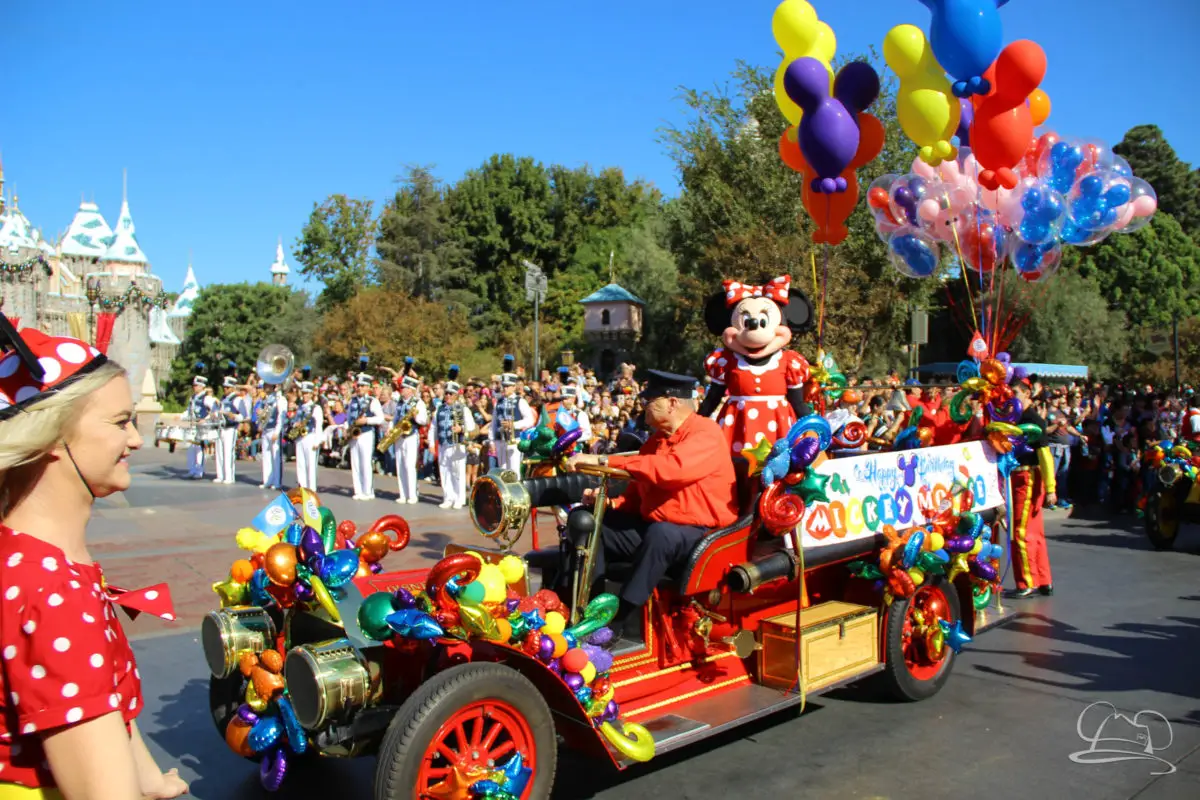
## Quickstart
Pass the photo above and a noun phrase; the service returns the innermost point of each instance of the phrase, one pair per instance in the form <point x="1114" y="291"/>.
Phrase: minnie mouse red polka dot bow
<point x="36" y="363"/>
<point x="776" y="290"/>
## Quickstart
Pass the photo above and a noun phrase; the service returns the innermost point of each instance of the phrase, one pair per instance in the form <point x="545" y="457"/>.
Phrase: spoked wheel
<point x="1162" y="519"/>
<point x="918" y="659"/>
<point x="463" y="726"/>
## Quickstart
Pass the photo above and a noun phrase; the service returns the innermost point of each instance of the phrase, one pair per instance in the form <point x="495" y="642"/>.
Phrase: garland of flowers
<point x="21" y="269"/>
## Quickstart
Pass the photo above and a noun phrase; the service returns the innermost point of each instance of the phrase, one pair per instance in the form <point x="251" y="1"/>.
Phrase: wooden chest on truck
<point x="837" y="641"/>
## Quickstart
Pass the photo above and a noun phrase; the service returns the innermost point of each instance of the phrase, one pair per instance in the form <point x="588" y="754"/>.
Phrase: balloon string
<point x="824" y="291"/>
<point x="979" y="243"/>
<point x="812" y="257"/>
<point x="799" y="684"/>
<point x="962" y="266"/>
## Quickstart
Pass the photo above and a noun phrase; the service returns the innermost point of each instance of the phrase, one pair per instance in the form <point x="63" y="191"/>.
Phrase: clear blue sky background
<point x="234" y="118"/>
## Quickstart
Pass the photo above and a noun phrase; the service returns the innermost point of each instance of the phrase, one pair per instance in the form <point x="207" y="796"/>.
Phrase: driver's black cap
<point x="667" y="384"/>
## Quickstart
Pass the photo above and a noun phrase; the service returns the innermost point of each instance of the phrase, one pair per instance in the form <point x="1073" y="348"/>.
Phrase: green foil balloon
<point x="599" y="612"/>
<point x="372" y="615"/>
<point x="328" y="530"/>
<point x="1033" y="434"/>
<point x="960" y="411"/>
<point x="812" y="487"/>
<point x="981" y="598"/>
<point x="930" y="564"/>
<point x="520" y="626"/>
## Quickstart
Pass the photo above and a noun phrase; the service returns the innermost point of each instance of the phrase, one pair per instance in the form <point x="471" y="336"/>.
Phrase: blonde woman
<point x="69" y="685"/>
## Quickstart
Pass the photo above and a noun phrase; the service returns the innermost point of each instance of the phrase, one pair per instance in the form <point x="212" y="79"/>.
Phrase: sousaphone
<point x="275" y="365"/>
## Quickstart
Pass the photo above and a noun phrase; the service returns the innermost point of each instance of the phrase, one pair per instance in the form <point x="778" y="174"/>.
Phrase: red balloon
<point x="977" y="237"/>
<point x="789" y="152"/>
<point x="574" y="660"/>
<point x="462" y="564"/>
<point x="1003" y="126"/>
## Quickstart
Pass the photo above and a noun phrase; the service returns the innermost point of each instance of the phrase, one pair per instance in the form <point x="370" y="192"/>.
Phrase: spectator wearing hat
<point x="683" y="485"/>
<point x="511" y="416"/>
<point x="308" y="447"/>
<point x="233" y="413"/>
<point x="366" y="412"/>
<point x="198" y="410"/>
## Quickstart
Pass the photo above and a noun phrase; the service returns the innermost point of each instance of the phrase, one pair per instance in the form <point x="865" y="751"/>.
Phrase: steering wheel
<point x="603" y="472"/>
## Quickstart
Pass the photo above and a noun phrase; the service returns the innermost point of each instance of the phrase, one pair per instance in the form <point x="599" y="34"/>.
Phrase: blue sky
<point x="234" y="118"/>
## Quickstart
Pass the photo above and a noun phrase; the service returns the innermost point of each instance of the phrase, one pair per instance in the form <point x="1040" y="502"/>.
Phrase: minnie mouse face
<point x="758" y="322"/>
<point x="756" y="328"/>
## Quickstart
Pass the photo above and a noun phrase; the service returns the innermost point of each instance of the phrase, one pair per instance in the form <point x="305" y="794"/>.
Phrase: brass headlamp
<point x="500" y="506"/>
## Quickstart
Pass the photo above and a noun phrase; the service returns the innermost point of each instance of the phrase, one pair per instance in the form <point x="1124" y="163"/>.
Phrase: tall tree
<point x="232" y="322"/>
<point x="1176" y="184"/>
<point x="418" y="252"/>
<point x="334" y="247"/>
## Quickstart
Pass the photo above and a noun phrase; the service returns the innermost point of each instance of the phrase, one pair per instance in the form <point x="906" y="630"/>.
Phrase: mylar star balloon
<point x="956" y="637"/>
<point x="812" y="488"/>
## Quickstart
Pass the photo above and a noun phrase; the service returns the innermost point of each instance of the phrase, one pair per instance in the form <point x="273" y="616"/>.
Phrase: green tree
<point x="418" y="252"/>
<point x="1176" y="184"/>
<point x="1152" y="275"/>
<point x="232" y="322"/>
<point x="334" y="247"/>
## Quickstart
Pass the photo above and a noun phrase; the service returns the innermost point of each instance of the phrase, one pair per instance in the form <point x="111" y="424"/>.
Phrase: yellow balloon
<point x="473" y="554"/>
<point x="555" y="623"/>
<point x="320" y="592"/>
<point x="935" y="541"/>
<point x="512" y="568"/>
<point x="494" y="587"/>
<point x="604" y="698"/>
<point x="231" y="592"/>
<point x="975" y="384"/>
<point x="976" y="548"/>
<point x="918" y="576"/>
<point x="588" y="673"/>
<point x="255" y="540"/>
<point x="255" y="702"/>
<point x="928" y="111"/>
<point x="633" y="741"/>
<point x="798" y="32"/>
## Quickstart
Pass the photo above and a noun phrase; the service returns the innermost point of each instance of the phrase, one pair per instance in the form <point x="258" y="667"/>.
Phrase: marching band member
<point x="511" y="416"/>
<point x="412" y="408"/>
<point x="232" y="413"/>
<point x="308" y="446"/>
<point x="364" y="411"/>
<point x="271" y="418"/>
<point x="200" y="406"/>
<point x="570" y="416"/>
<point x="451" y="423"/>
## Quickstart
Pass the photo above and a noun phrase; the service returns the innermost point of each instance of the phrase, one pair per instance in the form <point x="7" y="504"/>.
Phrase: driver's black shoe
<point x="1020" y="594"/>
<point x="1047" y="590"/>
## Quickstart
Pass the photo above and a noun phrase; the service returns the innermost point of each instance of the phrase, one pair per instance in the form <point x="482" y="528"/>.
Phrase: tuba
<point x="275" y="365"/>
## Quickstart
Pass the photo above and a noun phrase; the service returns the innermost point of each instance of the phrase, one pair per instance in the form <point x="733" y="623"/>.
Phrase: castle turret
<point x="279" y="270"/>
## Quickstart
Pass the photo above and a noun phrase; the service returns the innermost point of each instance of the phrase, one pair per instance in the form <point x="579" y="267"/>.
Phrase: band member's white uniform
<point x="271" y="434"/>
<point x="451" y="445"/>
<point x="199" y="410"/>
<point x="570" y="416"/>
<point x="514" y="409"/>
<point x="366" y="410"/>
<point x="233" y="411"/>
<point x="405" y="449"/>
<point x="308" y="446"/>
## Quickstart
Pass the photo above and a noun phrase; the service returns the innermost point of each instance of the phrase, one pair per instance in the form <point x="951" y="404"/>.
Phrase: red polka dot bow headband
<point x="34" y="364"/>
<point x="776" y="290"/>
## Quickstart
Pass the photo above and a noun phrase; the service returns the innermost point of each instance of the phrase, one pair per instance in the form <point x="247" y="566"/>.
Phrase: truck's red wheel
<point x="918" y="662"/>
<point x="461" y="726"/>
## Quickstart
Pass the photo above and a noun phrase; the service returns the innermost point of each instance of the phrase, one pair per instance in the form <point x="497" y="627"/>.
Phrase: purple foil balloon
<point x="804" y="452"/>
<point x="1008" y="411"/>
<point x="965" y="120"/>
<point x="1004" y="358"/>
<point x="311" y="545"/>
<point x="272" y="769"/>
<point x="982" y="569"/>
<point x="404" y="599"/>
<point x="545" y="649"/>
<point x="512" y="604"/>
<point x="555" y="666"/>
<point x="375" y="568"/>
<point x="304" y="592"/>
<point x="959" y="544"/>
<point x="247" y="714"/>
<point x="573" y="680"/>
<point x="829" y="134"/>
<point x="601" y="636"/>
<point x="611" y="711"/>
<point x="566" y="442"/>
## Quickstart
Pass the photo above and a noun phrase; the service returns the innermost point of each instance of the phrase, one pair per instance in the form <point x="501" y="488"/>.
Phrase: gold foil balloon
<point x="280" y="563"/>
<point x="975" y="384"/>
<point x="479" y="622"/>
<point x="231" y="592"/>
<point x="253" y="699"/>
<point x="993" y="371"/>
<point x="374" y="545"/>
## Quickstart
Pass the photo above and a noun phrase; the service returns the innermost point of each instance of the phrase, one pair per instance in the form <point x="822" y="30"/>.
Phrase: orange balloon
<point x="280" y="563"/>
<point x="1039" y="106"/>
<point x="236" y="734"/>
<point x="1003" y="125"/>
<point x="789" y="152"/>
<point x="374" y="545"/>
<point x="830" y="211"/>
<point x="993" y="371"/>
<point x="271" y="661"/>
<point x="241" y="571"/>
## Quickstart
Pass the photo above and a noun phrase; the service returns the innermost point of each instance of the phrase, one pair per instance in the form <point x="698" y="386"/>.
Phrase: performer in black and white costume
<point x="308" y="446"/>
<point x="405" y="449"/>
<point x="365" y="410"/>
<point x="233" y="411"/>
<point x="271" y="419"/>
<point x="511" y="416"/>
<point x="198" y="411"/>
<point x="452" y="422"/>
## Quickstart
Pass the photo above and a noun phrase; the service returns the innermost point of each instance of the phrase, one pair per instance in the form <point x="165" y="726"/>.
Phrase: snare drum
<point x="208" y="434"/>
<point x="173" y="433"/>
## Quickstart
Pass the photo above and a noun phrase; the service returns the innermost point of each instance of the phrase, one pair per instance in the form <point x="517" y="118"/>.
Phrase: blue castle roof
<point x="613" y="293"/>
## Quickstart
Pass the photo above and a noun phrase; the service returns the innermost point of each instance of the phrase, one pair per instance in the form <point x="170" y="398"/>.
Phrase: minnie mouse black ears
<point x="797" y="313"/>
<point x="35" y="364"/>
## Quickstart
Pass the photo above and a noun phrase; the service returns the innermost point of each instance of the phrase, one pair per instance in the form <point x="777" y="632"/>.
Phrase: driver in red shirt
<point x="683" y="485"/>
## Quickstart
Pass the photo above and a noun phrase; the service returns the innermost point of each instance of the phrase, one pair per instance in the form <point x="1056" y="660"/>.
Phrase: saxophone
<point x="460" y="437"/>
<point x="299" y="427"/>
<point x="400" y="430"/>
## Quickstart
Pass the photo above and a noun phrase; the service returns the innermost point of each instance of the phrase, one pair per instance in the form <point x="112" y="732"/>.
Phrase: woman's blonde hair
<point x="35" y="431"/>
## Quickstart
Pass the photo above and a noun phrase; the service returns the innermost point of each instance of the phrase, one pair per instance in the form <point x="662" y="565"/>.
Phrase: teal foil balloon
<point x="339" y="567"/>
<point x="296" y="737"/>
<point x="264" y="734"/>
<point x="373" y="615"/>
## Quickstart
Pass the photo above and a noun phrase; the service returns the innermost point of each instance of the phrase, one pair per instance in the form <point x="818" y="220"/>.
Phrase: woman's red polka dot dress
<point x="64" y="657"/>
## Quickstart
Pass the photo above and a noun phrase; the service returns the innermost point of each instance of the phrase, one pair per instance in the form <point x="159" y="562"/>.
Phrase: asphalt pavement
<point x="1123" y="628"/>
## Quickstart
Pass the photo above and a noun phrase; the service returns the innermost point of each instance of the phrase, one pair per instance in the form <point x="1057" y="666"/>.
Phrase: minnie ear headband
<point x="36" y="365"/>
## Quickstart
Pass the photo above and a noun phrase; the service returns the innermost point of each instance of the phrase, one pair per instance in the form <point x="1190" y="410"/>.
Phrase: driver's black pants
<point x="652" y="547"/>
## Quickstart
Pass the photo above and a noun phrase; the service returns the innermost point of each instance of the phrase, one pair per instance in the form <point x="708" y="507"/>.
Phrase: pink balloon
<point x="1144" y="206"/>
<point x="927" y="172"/>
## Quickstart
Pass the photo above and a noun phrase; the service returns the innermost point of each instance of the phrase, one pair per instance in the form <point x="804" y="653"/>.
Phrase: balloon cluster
<point x="1166" y="452"/>
<point x="549" y="441"/>
<point x="783" y="468"/>
<point x="1069" y="192"/>
<point x="309" y="558"/>
<point x="987" y="381"/>
<point x="830" y="134"/>
<point x="468" y="598"/>
<point x="825" y="383"/>
<point x="265" y="724"/>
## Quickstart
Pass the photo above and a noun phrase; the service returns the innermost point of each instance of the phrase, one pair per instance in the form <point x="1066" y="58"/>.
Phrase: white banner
<point x="870" y="491"/>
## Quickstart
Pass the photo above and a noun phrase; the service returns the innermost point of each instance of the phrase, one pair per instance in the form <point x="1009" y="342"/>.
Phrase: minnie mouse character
<point x="760" y="381"/>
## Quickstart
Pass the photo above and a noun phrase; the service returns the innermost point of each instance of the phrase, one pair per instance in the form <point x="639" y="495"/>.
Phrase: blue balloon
<point x="294" y="533"/>
<point x="516" y="775"/>
<point x="966" y="370"/>
<point x="258" y="588"/>
<point x="296" y="737"/>
<point x="966" y="36"/>
<point x="338" y="567"/>
<point x="1065" y="158"/>
<point x="1095" y="206"/>
<point x="410" y="623"/>
<point x="1044" y="211"/>
<point x="914" y="253"/>
<point x="1030" y="258"/>
<point x="265" y="733"/>
<point x="955" y="636"/>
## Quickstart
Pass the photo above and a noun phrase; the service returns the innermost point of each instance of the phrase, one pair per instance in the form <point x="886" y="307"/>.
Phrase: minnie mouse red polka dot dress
<point x="756" y="405"/>
<point x="64" y="658"/>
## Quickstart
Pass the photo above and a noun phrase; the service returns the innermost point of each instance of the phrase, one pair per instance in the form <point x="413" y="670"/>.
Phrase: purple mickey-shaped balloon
<point x="1004" y="358"/>
<point x="828" y="133"/>
<point x="1020" y="373"/>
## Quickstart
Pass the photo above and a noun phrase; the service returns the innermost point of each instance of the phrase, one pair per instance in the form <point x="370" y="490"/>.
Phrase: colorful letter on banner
<point x="887" y="488"/>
